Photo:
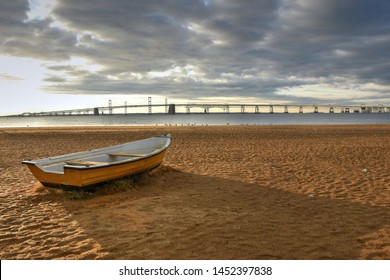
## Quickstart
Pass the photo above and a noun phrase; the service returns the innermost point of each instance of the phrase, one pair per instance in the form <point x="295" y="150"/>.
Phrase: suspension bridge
<point x="209" y="108"/>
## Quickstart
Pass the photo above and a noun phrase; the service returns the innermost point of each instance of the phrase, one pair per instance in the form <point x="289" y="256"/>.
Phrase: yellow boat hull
<point x="87" y="177"/>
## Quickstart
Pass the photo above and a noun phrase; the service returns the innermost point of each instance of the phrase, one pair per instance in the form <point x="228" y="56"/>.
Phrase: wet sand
<point x="232" y="192"/>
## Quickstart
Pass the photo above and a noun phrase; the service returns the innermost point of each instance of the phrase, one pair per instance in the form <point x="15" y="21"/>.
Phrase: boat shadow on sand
<point x="176" y="215"/>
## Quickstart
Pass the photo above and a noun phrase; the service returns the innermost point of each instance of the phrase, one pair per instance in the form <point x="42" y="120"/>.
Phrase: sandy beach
<point x="223" y="192"/>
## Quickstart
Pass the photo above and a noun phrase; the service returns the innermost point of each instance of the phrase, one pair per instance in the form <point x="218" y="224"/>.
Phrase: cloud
<point x="337" y="18"/>
<point x="324" y="38"/>
<point x="13" y="12"/>
<point x="198" y="49"/>
<point x="156" y="36"/>
<point x="7" y="77"/>
<point x="37" y="38"/>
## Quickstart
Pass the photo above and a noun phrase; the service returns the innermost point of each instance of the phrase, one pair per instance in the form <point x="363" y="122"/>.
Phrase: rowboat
<point x="86" y="169"/>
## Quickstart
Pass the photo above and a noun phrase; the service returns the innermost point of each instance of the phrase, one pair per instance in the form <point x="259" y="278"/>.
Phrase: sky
<point x="65" y="54"/>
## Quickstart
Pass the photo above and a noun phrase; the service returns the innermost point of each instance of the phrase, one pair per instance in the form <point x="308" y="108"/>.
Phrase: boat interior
<point x="56" y="165"/>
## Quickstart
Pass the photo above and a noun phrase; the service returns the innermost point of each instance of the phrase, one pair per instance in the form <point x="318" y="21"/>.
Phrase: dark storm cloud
<point x="142" y="35"/>
<point x="13" y="12"/>
<point x="335" y="17"/>
<point x="158" y="35"/>
<point x="36" y="38"/>
<point x="323" y="38"/>
<point x="245" y="48"/>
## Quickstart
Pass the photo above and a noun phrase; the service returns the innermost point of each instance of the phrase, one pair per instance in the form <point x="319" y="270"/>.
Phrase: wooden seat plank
<point x="83" y="162"/>
<point x="126" y="155"/>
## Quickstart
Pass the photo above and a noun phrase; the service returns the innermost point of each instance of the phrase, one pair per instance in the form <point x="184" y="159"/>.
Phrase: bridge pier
<point x="110" y="107"/>
<point x="172" y="109"/>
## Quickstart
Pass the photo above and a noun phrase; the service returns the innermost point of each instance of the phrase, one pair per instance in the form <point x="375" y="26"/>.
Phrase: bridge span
<point x="209" y="108"/>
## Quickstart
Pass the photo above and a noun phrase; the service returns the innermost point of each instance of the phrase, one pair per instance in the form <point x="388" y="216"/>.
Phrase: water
<point x="195" y="119"/>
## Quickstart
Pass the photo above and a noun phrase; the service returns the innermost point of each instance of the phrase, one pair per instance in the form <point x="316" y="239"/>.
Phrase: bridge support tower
<point x="172" y="109"/>
<point x="149" y="105"/>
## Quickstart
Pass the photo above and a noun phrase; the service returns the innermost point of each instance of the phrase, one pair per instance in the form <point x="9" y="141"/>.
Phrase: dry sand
<point x="243" y="192"/>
